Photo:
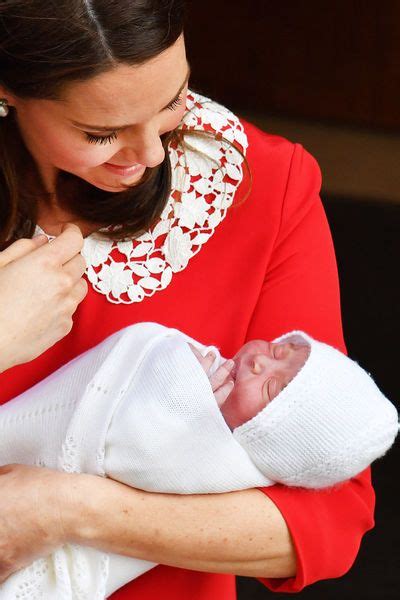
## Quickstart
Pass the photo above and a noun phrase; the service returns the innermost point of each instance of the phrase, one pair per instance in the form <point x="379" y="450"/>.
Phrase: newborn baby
<point x="258" y="372"/>
<point x="141" y="409"/>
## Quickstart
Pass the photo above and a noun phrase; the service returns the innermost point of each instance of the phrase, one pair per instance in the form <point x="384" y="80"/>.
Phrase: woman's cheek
<point x="174" y="117"/>
<point x="173" y="121"/>
<point x="82" y="155"/>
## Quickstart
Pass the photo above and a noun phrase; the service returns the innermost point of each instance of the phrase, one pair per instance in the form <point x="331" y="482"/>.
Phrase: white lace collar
<point x="129" y="271"/>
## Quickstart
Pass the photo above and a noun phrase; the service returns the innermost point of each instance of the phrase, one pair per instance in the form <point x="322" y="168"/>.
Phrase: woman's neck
<point x="51" y="218"/>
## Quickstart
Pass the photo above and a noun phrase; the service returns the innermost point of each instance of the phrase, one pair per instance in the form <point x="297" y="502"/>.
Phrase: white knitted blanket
<point x="147" y="418"/>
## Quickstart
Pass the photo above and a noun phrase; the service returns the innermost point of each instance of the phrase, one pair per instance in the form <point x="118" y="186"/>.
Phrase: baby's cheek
<point x="241" y="406"/>
<point x="252" y="405"/>
<point x="232" y="411"/>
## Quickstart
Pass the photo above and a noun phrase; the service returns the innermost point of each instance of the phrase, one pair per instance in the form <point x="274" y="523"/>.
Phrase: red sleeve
<point x="301" y="291"/>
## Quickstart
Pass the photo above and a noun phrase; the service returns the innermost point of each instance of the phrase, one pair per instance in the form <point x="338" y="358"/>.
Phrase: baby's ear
<point x="270" y="389"/>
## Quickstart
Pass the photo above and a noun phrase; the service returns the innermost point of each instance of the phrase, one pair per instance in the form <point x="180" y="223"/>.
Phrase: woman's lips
<point x="124" y="171"/>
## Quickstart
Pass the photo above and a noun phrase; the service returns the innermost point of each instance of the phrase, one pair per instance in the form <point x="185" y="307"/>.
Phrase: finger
<point x="75" y="268"/>
<point x="205" y="361"/>
<point x="67" y="245"/>
<point x="40" y="240"/>
<point x="21" y="248"/>
<point x="80" y="291"/>
<point x="221" y="374"/>
<point x="222" y="393"/>
<point x="195" y="351"/>
<point x="7" y="468"/>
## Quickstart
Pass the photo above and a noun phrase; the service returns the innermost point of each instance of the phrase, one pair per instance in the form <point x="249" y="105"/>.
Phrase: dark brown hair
<point x="45" y="46"/>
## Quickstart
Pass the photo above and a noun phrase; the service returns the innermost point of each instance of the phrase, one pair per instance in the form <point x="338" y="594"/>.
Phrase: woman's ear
<point x="6" y="95"/>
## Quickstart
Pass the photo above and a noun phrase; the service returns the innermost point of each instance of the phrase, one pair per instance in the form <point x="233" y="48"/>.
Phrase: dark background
<point x="336" y="62"/>
<point x="336" y="59"/>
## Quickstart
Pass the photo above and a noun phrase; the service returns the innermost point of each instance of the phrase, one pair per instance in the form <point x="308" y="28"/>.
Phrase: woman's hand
<point x="41" y="286"/>
<point x="30" y="516"/>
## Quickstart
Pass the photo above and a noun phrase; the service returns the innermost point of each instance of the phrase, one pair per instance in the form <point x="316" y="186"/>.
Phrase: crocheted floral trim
<point x="205" y="177"/>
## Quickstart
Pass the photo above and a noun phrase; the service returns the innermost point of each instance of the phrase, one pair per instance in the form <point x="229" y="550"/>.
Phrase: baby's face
<point x="262" y="369"/>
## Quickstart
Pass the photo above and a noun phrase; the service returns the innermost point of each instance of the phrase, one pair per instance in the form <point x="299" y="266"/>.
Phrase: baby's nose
<point x="259" y="363"/>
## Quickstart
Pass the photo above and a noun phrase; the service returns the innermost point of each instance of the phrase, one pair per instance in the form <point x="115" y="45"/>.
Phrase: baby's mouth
<point x="233" y="372"/>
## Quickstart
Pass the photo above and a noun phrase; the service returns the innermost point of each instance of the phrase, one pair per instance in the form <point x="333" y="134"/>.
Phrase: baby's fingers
<point x="221" y="374"/>
<point x="205" y="361"/>
<point x="222" y="393"/>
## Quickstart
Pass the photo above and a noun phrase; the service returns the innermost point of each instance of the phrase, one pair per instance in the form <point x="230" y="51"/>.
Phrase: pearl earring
<point x="4" y="109"/>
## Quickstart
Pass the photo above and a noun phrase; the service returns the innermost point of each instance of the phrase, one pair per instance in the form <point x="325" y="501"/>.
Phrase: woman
<point x="99" y="132"/>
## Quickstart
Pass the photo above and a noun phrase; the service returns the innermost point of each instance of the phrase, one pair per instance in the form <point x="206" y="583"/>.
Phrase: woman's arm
<point x="41" y="510"/>
<point x="239" y="532"/>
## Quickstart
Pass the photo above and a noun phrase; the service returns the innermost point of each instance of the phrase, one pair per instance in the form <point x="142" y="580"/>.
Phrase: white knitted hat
<point x="328" y="424"/>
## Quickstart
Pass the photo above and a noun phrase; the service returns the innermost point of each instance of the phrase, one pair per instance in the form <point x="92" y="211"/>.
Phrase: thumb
<point x="21" y="248"/>
<point x="70" y="227"/>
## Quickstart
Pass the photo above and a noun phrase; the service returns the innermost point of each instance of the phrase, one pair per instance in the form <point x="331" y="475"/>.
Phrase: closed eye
<point x="281" y="351"/>
<point x="111" y="137"/>
<point x="175" y="103"/>
<point x="276" y="351"/>
<point x="101" y="139"/>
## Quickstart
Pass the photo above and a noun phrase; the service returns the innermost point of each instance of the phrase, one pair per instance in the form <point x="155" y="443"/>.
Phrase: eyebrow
<point x="119" y="127"/>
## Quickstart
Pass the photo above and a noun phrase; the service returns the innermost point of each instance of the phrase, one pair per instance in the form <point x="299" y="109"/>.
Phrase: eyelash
<point x="175" y="103"/>
<point x="101" y="139"/>
<point x="111" y="137"/>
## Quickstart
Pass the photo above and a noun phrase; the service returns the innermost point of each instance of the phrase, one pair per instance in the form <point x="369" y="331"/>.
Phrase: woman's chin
<point x="106" y="187"/>
<point x="116" y="185"/>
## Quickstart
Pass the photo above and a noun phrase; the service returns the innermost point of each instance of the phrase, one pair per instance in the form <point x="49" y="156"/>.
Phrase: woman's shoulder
<point x="274" y="157"/>
<point x="267" y="154"/>
<point x="262" y="144"/>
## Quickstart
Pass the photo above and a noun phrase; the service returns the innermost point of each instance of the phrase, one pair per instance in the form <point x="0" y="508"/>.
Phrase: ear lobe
<point x="266" y="392"/>
<point x="6" y="95"/>
<point x="270" y="389"/>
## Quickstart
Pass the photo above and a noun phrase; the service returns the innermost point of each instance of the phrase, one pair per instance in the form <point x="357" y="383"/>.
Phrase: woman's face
<point x="107" y="130"/>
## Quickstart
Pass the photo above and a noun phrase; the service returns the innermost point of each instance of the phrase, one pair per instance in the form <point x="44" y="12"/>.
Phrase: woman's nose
<point x="144" y="148"/>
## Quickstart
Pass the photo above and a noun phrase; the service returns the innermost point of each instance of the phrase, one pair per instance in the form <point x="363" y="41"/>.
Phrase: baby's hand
<point x="220" y="381"/>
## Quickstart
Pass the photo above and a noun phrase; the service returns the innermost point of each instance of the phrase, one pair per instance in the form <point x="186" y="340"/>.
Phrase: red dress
<point x="269" y="268"/>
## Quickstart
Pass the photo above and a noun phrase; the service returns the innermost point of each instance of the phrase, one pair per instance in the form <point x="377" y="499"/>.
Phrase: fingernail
<point x="210" y="355"/>
<point x="229" y="364"/>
